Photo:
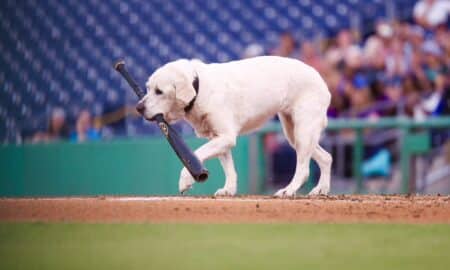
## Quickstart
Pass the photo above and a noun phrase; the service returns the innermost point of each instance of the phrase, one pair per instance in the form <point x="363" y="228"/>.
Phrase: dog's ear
<point x="184" y="89"/>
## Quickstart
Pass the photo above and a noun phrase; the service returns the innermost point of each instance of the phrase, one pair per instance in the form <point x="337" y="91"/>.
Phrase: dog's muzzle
<point x="140" y="107"/>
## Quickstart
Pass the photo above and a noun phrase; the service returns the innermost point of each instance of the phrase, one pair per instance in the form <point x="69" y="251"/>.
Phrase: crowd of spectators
<point x="58" y="128"/>
<point x="402" y="68"/>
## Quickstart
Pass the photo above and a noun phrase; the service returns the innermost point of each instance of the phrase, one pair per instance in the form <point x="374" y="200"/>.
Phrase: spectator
<point x="396" y="62"/>
<point x="338" y="100"/>
<point x="360" y="97"/>
<point x="286" y="46"/>
<point x="431" y="13"/>
<point x="57" y="128"/>
<point x="253" y="50"/>
<point x="343" y="49"/>
<point x="311" y="55"/>
<point x="84" y="130"/>
<point x="442" y="37"/>
<point x="393" y="90"/>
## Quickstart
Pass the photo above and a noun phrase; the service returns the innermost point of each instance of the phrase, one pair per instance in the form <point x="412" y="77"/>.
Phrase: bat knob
<point x="119" y="64"/>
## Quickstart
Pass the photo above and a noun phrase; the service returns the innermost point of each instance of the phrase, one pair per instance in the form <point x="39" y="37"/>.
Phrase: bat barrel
<point x="203" y="176"/>
<point x="190" y="161"/>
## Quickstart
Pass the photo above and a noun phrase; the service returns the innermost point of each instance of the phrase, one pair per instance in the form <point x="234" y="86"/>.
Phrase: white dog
<point x="222" y="101"/>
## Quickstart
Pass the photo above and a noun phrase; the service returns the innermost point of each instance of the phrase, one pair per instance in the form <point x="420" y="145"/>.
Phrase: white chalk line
<point x="182" y="199"/>
<point x="150" y="198"/>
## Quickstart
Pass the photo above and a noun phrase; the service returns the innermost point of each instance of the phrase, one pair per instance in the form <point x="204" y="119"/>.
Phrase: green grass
<point x="240" y="246"/>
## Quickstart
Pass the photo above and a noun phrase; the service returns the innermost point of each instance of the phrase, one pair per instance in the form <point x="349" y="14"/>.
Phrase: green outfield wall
<point x="124" y="167"/>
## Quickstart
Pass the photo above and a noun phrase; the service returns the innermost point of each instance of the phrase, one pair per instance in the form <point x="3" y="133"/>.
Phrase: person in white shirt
<point x="431" y="13"/>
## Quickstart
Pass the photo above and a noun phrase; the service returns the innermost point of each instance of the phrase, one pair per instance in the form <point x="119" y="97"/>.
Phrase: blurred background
<point x="68" y="124"/>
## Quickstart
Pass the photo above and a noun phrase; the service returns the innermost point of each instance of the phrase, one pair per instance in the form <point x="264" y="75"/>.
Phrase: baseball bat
<point x="187" y="157"/>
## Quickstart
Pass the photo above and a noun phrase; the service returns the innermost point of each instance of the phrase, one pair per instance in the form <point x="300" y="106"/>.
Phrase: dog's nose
<point x="140" y="107"/>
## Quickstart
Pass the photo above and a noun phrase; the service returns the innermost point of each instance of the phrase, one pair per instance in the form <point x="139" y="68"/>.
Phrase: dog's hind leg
<point x="324" y="160"/>
<point x="288" y="127"/>
<point x="230" y="187"/>
<point x="308" y="124"/>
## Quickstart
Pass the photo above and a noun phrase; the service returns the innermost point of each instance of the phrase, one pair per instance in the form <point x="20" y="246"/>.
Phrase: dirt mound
<point x="257" y="209"/>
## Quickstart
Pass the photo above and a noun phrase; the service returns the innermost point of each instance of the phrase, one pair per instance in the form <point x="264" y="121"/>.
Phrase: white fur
<point x="238" y="97"/>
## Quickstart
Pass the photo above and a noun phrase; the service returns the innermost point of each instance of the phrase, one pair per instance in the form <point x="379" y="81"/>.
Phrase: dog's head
<point x="170" y="89"/>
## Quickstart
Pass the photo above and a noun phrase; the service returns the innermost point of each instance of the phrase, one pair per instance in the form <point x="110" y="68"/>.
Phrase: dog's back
<point x="258" y="88"/>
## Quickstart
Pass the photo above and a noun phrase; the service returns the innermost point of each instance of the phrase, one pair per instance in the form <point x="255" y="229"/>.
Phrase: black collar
<point x="195" y="84"/>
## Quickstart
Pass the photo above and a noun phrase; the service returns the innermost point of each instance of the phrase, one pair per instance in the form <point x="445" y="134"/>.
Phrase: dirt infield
<point x="258" y="209"/>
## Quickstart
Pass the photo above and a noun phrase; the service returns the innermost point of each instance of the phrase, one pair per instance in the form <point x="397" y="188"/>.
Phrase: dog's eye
<point x="158" y="92"/>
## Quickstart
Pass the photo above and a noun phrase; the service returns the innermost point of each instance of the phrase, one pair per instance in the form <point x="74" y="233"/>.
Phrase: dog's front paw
<point x="285" y="193"/>
<point x="226" y="191"/>
<point x="186" y="181"/>
<point x="320" y="190"/>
